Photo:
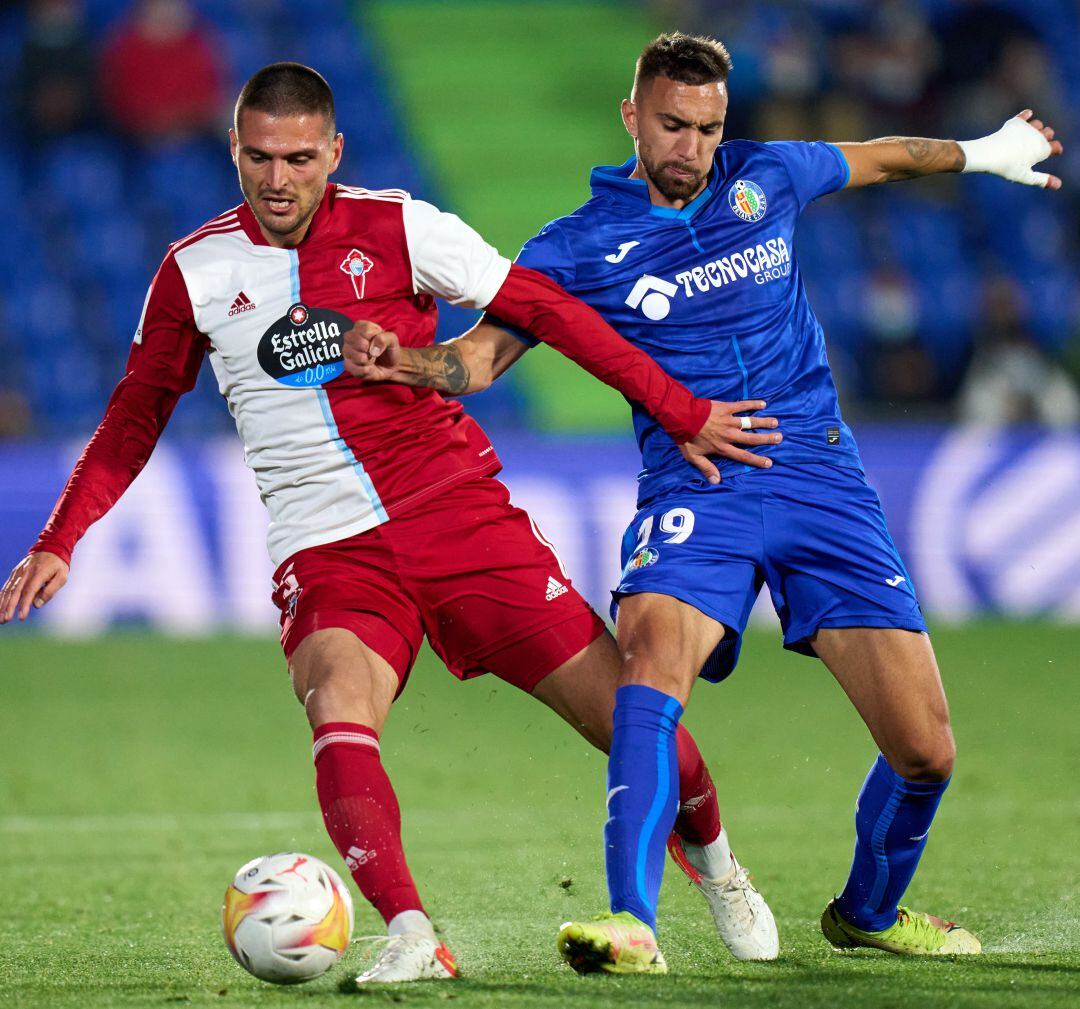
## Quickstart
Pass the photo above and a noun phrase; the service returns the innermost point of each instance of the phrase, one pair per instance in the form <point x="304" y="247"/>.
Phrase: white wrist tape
<point x="1009" y="153"/>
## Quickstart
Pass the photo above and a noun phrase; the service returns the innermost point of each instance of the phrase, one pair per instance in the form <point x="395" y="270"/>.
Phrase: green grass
<point x="140" y="772"/>
<point x="511" y="103"/>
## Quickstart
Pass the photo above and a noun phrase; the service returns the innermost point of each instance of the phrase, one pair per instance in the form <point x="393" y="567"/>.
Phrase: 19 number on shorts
<point x="677" y="523"/>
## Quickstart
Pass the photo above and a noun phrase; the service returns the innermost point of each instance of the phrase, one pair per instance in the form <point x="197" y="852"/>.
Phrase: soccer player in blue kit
<point x="687" y="251"/>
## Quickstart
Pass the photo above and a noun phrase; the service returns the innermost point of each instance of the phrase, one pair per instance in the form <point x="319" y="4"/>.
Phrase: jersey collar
<point x="615" y="181"/>
<point x="318" y="220"/>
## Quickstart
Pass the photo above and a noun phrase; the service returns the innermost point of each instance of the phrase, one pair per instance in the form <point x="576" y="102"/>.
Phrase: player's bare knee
<point x="669" y="674"/>
<point x="931" y="759"/>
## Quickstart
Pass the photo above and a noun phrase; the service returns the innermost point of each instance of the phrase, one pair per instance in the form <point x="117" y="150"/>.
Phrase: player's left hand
<point x="1012" y="152"/>
<point x="371" y="352"/>
<point x="725" y="431"/>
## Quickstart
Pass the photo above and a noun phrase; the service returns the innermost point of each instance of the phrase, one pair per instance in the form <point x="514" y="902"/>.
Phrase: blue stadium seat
<point x="81" y="174"/>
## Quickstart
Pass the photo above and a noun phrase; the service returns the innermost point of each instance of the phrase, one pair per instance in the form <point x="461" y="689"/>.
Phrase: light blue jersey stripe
<point x="358" y="469"/>
<point x="328" y="414"/>
<point x="671" y="710"/>
<point x="294" y="276"/>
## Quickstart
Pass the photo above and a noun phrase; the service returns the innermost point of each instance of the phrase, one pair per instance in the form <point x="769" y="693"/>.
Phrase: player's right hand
<point x="725" y="431"/>
<point x="371" y="352"/>
<point x="33" y="582"/>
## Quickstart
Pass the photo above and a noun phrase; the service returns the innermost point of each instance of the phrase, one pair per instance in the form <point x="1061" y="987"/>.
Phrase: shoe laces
<point x="925" y="931"/>
<point x="733" y="891"/>
<point x="394" y="946"/>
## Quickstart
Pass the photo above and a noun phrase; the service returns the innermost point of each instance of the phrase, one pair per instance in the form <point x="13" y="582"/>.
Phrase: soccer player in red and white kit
<point x="386" y="522"/>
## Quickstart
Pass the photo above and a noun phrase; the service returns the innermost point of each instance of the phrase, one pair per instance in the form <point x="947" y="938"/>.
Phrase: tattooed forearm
<point x="892" y="158"/>
<point x="912" y="157"/>
<point x="437" y="367"/>
<point x="935" y="155"/>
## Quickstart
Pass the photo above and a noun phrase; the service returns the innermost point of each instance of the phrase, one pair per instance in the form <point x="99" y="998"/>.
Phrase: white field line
<point x="156" y="821"/>
<point x="281" y="820"/>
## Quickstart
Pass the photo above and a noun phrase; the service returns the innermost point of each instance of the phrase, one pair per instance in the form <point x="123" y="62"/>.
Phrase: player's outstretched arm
<point x="469" y="363"/>
<point x="452" y="261"/>
<point x="472" y="361"/>
<point x="1011" y="152"/>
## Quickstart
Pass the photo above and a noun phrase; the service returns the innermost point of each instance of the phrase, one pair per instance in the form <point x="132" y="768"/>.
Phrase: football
<point x="287" y="918"/>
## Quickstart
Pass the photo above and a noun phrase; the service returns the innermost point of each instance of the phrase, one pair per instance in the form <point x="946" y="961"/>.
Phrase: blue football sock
<point x="892" y="819"/>
<point x="643" y="798"/>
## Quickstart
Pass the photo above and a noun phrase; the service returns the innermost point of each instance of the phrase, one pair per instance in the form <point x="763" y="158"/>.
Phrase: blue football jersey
<point x="713" y="293"/>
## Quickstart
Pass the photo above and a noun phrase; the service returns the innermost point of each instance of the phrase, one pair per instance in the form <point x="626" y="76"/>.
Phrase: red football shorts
<point x="467" y="569"/>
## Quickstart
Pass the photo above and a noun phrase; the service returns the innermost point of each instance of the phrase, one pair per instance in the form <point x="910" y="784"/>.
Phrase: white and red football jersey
<point x="333" y="456"/>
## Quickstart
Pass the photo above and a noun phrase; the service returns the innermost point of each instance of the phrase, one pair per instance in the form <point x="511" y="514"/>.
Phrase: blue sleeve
<point x="547" y="253"/>
<point x="816" y="169"/>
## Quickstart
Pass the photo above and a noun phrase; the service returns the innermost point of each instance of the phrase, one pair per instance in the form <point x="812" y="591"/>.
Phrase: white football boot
<point x="743" y="919"/>
<point x="413" y="955"/>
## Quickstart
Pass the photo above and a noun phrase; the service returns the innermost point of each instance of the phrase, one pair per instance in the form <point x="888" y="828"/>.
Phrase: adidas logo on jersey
<point x="242" y="304"/>
<point x="554" y="589"/>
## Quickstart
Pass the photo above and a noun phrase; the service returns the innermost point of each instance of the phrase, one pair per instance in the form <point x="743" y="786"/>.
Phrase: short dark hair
<point x="283" y="89"/>
<point x="688" y="59"/>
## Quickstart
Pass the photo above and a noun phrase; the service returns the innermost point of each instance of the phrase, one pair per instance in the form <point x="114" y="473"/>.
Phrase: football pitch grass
<point x="139" y="772"/>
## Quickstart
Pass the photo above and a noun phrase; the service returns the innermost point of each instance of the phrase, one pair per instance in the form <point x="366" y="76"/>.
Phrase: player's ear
<point x="629" y="117"/>
<point x="336" y="148"/>
<point x="234" y="144"/>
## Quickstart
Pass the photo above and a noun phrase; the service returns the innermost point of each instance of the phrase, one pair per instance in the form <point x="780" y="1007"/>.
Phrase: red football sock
<point x="698" y="821"/>
<point x="362" y="816"/>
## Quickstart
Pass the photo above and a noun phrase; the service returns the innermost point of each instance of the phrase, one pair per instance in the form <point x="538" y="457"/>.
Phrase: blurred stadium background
<point x="946" y="304"/>
<point x="141" y="769"/>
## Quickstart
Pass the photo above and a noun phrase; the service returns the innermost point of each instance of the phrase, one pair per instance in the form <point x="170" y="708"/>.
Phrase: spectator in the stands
<point x="160" y="75"/>
<point x="894" y="362"/>
<point x="15" y="418"/>
<point x="56" y="71"/>
<point x="1011" y="380"/>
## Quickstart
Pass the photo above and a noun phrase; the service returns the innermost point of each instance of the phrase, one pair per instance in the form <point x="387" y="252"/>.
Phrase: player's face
<point x="284" y="162"/>
<point x="676" y="129"/>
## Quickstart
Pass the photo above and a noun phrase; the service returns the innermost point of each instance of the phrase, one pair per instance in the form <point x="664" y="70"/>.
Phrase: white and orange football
<point x="287" y="918"/>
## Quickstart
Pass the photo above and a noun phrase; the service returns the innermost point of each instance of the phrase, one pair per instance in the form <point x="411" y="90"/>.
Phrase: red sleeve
<point x="533" y="302"/>
<point x="163" y="364"/>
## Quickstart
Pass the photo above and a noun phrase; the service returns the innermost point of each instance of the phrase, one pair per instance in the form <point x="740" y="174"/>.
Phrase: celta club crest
<point x="357" y="266"/>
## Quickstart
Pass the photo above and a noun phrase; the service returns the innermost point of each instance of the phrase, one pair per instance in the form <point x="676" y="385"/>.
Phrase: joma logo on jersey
<point x="766" y="261"/>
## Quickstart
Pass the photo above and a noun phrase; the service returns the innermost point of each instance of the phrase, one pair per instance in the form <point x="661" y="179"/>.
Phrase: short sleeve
<point x="816" y="168"/>
<point x="168" y="348"/>
<point x="449" y="259"/>
<point x="548" y="253"/>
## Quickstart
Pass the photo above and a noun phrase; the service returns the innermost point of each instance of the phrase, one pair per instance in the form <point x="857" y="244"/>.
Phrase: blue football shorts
<point x="815" y="534"/>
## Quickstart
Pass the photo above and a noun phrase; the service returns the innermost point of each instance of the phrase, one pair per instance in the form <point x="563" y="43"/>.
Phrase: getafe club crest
<point x="357" y="266"/>
<point x="645" y="557"/>
<point x="747" y="199"/>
